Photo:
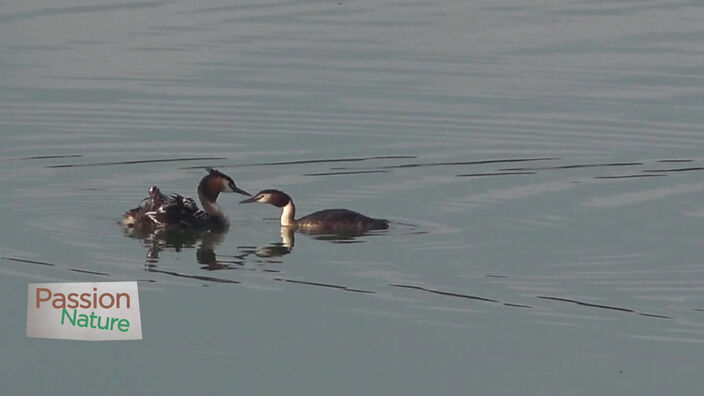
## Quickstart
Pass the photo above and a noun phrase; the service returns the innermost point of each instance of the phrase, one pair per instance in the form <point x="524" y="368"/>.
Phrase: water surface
<point x="541" y="165"/>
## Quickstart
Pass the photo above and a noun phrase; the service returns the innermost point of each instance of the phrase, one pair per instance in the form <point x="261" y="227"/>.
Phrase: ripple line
<point x="676" y="169"/>
<point x="626" y="176"/>
<point x="78" y="9"/>
<point x="480" y="162"/>
<point x="198" y="277"/>
<point x="51" y="156"/>
<point x="136" y="162"/>
<point x="445" y="293"/>
<point x="19" y="260"/>
<point x="316" y="161"/>
<point x="602" y="306"/>
<point x="320" y="284"/>
<point x="586" y="304"/>
<point x="576" y="166"/>
<point x="494" y="174"/>
<point x="88" y="272"/>
<point x="344" y="173"/>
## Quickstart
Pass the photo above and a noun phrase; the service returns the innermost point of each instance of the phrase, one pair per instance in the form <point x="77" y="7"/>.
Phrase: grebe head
<point x="271" y="197"/>
<point x="215" y="183"/>
<point x="154" y="192"/>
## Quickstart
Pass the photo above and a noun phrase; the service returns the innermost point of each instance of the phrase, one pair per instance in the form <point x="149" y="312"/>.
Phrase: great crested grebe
<point x="324" y="221"/>
<point x="161" y="211"/>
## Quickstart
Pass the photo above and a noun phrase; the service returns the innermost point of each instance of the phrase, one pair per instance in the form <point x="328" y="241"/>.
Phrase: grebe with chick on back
<point x="162" y="211"/>
<point x="324" y="221"/>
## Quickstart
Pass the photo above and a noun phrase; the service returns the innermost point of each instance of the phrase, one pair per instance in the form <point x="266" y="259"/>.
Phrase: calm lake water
<point x="541" y="164"/>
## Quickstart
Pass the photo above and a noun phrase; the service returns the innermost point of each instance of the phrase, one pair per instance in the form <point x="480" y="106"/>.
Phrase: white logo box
<point x="92" y="311"/>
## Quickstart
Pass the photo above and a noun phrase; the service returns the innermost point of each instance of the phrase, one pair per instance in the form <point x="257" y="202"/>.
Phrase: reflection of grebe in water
<point x="176" y="211"/>
<point x="204" y="242"/>
<point x="329" y="221"/>
<point x="288" y="240"/>
<point x="276" y="249"/>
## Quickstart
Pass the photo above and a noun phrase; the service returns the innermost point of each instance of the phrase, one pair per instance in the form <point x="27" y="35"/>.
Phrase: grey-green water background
<point x="576" y="271"/>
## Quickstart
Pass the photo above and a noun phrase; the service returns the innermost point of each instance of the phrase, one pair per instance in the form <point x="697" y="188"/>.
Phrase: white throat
<point x="211" y="208"/>
<point x="287" y="214"/>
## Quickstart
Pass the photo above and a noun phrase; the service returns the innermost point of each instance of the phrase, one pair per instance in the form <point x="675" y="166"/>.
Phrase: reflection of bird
<point x="324" y="221"/>
<point x="161" y="211"/>
<point x="272" y="251"/>
<point x="178" y="239"/>
<point x="277" y="249"/>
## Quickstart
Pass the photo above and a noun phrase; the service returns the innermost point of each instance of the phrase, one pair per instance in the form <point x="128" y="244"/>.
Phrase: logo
<point x="99" y="311"/>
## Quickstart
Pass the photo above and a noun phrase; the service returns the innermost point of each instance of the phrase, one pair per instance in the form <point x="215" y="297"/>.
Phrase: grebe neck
<point x="210" y="207"/>
<point x="287" y="214"/>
